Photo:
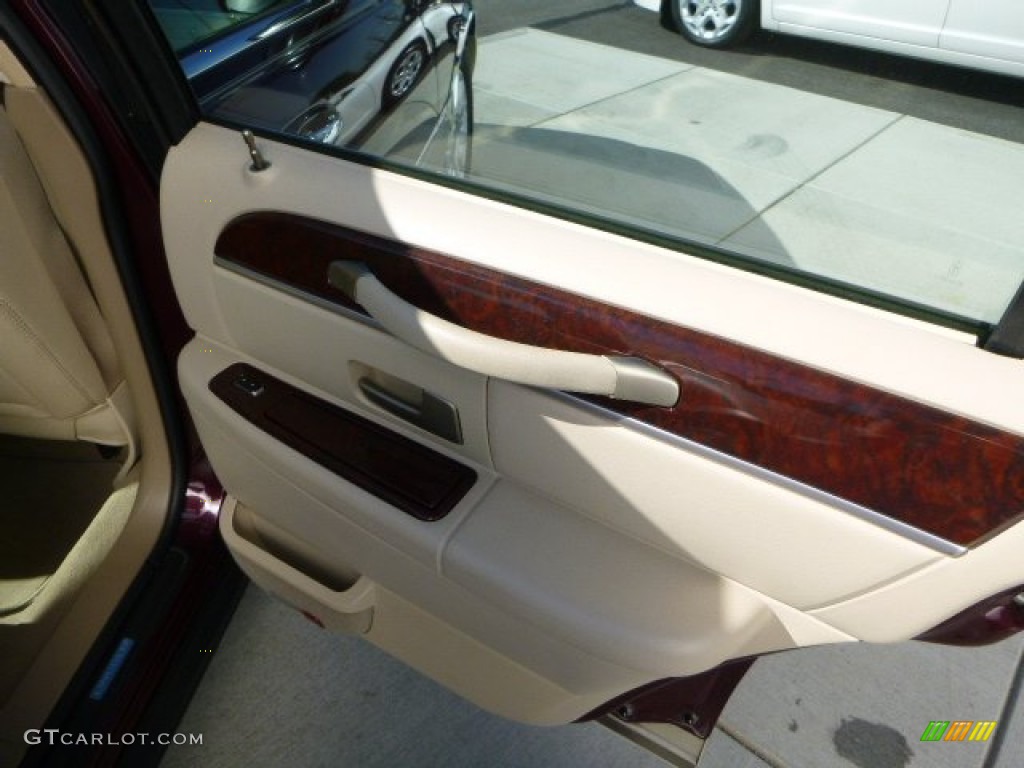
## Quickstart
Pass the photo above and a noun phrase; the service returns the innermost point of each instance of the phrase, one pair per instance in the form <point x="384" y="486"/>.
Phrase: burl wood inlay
<point x="944" y="474"/>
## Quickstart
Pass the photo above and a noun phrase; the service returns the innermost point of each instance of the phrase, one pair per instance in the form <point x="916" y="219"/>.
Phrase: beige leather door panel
<point x="798" y="480"/>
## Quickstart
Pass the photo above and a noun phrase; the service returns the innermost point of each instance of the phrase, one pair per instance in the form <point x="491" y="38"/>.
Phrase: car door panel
<point x="672" y="517"/>
<point x="808" y="542"/>
<point x="272" y="337"/>
<point x="419" y="614"/>
<point x="915" y="22"/>
<point x="811" y="471"/>
<point x="678" y="499"/>
<point x="996" y="33"/>
<point x="601" y="594"/>
<point x="595" y="619"/>
<point x="886" y="455"/>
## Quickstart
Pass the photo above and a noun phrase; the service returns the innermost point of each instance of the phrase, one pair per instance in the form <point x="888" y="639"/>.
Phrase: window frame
<point x="172" y="100"/>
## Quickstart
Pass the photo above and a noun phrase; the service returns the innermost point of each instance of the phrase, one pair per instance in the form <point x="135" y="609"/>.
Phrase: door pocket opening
<point x="339" y="598"/>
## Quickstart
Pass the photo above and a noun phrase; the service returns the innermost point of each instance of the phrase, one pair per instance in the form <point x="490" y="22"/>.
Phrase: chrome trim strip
<point x="281" y="26"/>
<point x="909" y="532"/>
<point x="808" y="491"/>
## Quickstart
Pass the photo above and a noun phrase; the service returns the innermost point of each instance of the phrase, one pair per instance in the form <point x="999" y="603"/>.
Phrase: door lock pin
<point x="259" y="162"/>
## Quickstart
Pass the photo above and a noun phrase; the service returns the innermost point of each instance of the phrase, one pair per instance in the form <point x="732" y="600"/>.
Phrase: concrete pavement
<point x="870" y="197"/>
<point x="869" y="705"/>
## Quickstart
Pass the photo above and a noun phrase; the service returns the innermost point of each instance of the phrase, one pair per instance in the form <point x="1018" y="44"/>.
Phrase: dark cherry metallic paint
<point x="987" y="622"/>
<point x="692" y="703"/>
<point x="944" y="474"/>
<point x="198" y="540"/>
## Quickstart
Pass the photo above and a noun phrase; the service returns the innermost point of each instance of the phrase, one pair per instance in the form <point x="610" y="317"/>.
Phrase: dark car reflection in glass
<point x="387" y="77"/>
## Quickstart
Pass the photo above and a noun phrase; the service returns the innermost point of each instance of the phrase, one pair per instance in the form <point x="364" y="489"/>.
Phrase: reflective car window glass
<point x="189" y="24"/>
<point x="888" y="167"/>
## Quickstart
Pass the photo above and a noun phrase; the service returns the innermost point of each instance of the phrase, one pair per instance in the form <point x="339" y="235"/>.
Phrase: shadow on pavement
<point x="660" y="191"/>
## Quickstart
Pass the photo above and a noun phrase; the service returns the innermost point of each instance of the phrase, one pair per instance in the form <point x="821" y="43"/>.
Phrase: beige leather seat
<point x="59" y="374"/>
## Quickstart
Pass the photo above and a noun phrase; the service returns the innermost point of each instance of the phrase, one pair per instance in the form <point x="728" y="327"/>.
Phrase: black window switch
<point x="250" y="385"/>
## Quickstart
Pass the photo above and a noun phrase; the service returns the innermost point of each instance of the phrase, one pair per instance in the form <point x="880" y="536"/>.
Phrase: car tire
<point x="715" y="23"/>
<point x="405" y="72"/>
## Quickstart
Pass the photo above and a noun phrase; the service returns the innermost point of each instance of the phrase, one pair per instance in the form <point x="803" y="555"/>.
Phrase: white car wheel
<point x="715" y="23"/>
<point x="405" y="72"/>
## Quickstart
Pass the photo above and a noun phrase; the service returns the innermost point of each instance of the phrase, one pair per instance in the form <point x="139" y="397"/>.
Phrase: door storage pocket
<point x="336" y="596"/>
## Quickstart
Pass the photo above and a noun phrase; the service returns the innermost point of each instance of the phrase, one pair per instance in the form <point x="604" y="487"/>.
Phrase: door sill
<point x="669" y="742"/>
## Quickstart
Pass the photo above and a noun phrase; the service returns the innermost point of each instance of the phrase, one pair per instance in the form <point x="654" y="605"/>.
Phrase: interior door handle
<point x="623" y="378"/>
<point x="428" y="412"/>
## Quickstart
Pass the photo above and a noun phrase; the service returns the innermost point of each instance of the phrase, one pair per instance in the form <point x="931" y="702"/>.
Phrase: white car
<point x="989" y="37"/>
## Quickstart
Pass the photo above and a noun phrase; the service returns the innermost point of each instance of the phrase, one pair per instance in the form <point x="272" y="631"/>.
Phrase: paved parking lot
<point x="876" y="198"/>
<point x="868" y="706"/>
<point x="975" y="101"/>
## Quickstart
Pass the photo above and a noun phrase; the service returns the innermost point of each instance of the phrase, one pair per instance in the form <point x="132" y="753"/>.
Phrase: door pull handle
<point x="622" y="378"/>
